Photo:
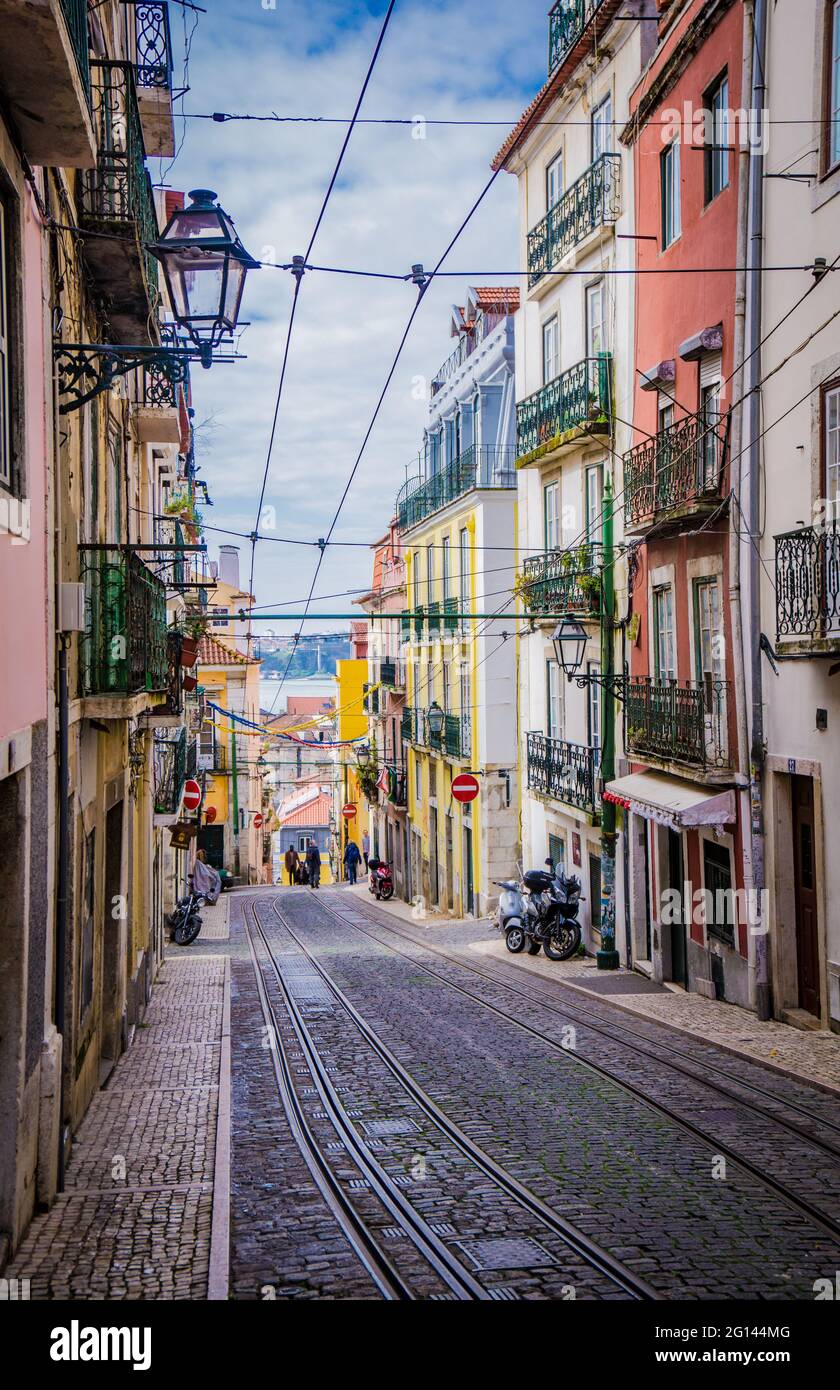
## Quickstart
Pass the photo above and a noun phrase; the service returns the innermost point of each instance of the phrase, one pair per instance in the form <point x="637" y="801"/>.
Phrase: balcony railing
<point x="76" y="16"/>
<point x="407" y="725"/>
<point x="398" y="794"/>
<point x="433" y="618"/>
<point x="682" y="466"/>
<point x="563" y="582"/>
<point x="678" y="721"/>
<point x="564" y="771"/>
<point x="170" y="772"/>
<point x="452" y="740"/>
<point x="577" y="398"/>
<point x="117" y="194"/>
<point x="808" y="584"/>
<point x="153" y="44"/>
<point x="158" y="392"/>
<point x="371" y="700"/>
<point x="566" y="23"/>
<point x="124" y="646"/>
<point x="388" y="672"/>
<point x="593" y="200"/>
<point x="467" y="344"/>
<point x="480" y="465"/>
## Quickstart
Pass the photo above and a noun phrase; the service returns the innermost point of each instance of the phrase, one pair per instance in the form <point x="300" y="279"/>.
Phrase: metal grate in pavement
<point x="506" y="1252"/>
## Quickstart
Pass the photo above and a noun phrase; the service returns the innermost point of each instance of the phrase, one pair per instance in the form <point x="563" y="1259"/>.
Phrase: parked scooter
<point x="544" y="915"/>
<point x="380" y="879"/>
<point x="185" y="922"/>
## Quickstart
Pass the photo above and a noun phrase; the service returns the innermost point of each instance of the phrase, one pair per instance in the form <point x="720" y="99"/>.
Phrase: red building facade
<point x="684" y="794"/>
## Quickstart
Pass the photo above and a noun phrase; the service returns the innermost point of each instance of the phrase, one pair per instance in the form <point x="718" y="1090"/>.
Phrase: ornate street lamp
<point x="436" y="718"/>
<point x="204" y="264"/>
<point x="569" y="642"/>
<point x="363" y="754"/>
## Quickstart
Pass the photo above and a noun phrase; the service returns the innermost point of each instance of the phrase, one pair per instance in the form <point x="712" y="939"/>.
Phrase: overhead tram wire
<point x="272" y="118"/>
<point x="298" y="277"/>
<point x="422" y="286"/>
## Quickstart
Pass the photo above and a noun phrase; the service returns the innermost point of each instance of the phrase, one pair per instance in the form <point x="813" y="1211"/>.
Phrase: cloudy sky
<point x="398" y="201"/>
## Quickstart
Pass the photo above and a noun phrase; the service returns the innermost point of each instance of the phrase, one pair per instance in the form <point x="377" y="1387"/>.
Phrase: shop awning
<point x="671" y="801"/>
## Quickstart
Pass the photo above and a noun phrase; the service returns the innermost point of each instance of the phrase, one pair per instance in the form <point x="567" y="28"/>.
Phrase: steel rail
<point x="829" y="1227"/>
<point x="587" y="1249"/>
<point x="446" y="1266"/>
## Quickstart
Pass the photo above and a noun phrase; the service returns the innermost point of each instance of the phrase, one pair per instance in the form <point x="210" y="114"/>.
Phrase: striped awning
<point x="671" y="801"/>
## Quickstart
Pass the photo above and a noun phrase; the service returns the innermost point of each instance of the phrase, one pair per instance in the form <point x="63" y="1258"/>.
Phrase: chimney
<point x="229" y="565"/>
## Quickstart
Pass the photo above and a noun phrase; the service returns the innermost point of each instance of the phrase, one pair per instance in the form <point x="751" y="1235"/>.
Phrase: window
<point x="707" y="629"/>
<point x="717" y="880"/>
<point x="88" y="899"/>
<point x="430" y="573"/>
<point x="446" y="693"/>
<point x="596" y="337"/>
<point x="5" y="384"/>
<point x="557" y="852"/>
<point x="594" y="485"/>
<point x="415" y="573"/>
<point x="456" y="435"/>
<point x="665" y="414"/>
<point x="220" y="617"/>
<point x="709" y="445"/>
<point x="551" y="515"/>
<point x="113" y="533"/>
<point x="551" y="350"/>
<point x="465" y="691"/>
<point x="601" y="125"/>
<point x="464" y="564"/>
<point x="831" y="445"/>
<point x="593" y="707"/>
<point x="553" y="182"/>
<point x="445" y="567"/>
<point x="555" y="711"/>
<point x="716" y="153"/>
<point x="418" y="780"/>
<point x="833" y="87"/>
<point x="663" y="626"/>
<point x="669" y="173"/>
<point x="477" y="419"/>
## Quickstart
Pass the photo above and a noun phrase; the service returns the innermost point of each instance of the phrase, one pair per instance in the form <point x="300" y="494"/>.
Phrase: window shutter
<point x="711" y="373"/>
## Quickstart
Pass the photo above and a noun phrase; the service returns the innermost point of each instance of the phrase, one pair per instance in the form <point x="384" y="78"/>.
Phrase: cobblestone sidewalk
<point x="136" y="1217"/>
<point x="811" y="1056"/>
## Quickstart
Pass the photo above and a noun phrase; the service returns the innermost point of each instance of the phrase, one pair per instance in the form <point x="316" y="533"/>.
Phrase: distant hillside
<point x="316" y="657"/>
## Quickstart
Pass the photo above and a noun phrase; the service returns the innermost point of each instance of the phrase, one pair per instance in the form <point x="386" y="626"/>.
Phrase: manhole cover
<point x="506" y="1252"/>
<point x="380" y="1129"/>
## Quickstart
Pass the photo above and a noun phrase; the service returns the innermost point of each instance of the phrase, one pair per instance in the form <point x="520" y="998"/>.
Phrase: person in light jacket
<point x="313" y="864"/>
<point x="205" y="880"/>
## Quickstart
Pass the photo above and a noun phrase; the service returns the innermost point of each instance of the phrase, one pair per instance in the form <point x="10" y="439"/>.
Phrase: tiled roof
<point x="212" y="652"/>
<point x="315" y="811"/>
<point x="497" y="296"/>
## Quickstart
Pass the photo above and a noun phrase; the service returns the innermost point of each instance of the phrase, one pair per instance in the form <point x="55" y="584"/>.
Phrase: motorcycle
<point x="185" y="922"/>
<point x="544" y="915"/>
<point x="380" y="879"/>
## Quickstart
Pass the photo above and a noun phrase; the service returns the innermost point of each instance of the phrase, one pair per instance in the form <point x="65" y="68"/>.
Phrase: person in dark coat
<point x="313" y="864"/>
<point x="291" y="861"/>
<point x="352" y="860"/>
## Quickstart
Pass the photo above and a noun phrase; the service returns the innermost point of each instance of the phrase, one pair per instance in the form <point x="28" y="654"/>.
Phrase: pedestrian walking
<point x="292" y="863"/>
<point x="352" y="860"/>
<point x="313" y="864"/>
<point x="366" y="849"/>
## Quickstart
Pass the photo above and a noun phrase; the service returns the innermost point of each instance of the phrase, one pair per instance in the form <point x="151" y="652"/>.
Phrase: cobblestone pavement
<point x="661" y="1199"/>
<point x="812" y="1055"/>
<point x="135" y="1218"/>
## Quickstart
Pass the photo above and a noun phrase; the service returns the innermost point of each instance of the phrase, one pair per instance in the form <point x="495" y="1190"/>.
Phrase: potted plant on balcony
<point x="182" y="507"/>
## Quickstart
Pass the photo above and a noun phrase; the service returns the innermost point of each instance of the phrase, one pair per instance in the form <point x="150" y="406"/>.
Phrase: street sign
<point x="465" y="787"/>
<point x="210" y="814"/>
<point x="181" y="834"/>
<point x="349" y="811"/>
<point x="192" y="795"/>
<point x="258" y="820"/>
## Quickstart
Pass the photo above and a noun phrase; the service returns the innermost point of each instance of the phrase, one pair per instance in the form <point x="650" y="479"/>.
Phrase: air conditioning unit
<point x="71" y="607"/>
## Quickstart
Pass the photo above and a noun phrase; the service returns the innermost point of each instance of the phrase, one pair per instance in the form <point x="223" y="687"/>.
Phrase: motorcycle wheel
<point x="386" y="892"/>
<point x="564" y="944"/>
<point x="533" y="948"/>
<point x="188" y="931"/>
<point x="515" y="939"/>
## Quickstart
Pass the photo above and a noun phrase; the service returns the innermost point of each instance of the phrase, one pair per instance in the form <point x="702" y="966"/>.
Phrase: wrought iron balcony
<point x="116" y="200"/>
<point x="578" y="400"/>
<point x="808" y="589"/>
<point x="452" y="736"/>
<point x="407" y="725"/>
<point x="566" y="23"/>
<point x="564" y="771"/>
<point x="563" y="582"/>
<point x="388" y="672"/>
<point x="678" y="472"/>
<point x="371" y="700"/>
<point x="451" y="618"/>
<point x="678" y="722"/>
<point x="593" y="200"/>
<point x="478" y="466"/>
<point x="46" y="80"/>
<point x="170" y="772"/>
<point x="149" y="24"/>
<point x="123" y="650"/>
<point x="76" y="18"/>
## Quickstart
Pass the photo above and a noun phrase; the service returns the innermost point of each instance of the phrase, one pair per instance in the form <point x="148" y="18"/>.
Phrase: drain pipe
<point x="736" y="435"/>
<point x="753" y="403"/>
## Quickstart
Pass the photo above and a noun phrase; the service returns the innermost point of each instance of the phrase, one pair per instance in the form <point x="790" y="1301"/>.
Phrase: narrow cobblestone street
<point x="403" y="1113"/>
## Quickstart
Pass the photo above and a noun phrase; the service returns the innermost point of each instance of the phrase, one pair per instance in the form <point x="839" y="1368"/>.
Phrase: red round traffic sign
<point x="465" y="787"/>
<point x="349" y="811"/>
<point x="210" y="814"/>
<point x="192" y="795"/>
<point x="258" y="820"/>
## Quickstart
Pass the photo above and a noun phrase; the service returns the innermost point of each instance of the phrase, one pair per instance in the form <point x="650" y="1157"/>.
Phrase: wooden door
<point x="805" y="895"/>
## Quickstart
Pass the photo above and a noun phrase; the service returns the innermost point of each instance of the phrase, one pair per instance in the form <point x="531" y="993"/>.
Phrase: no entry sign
<point x="349" y="811"/>
<point x="465" y="787"/>
<point x="192" y="795"/>
<point x="258" y="820"/>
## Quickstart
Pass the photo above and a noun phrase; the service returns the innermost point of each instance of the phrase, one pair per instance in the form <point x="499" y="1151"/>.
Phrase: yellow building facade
<point x="351" y="675"/>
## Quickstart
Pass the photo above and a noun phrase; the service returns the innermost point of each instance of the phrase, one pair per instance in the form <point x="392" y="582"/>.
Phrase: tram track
<point x="456" y="1278"/>
<point x="801" y="1205"/>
